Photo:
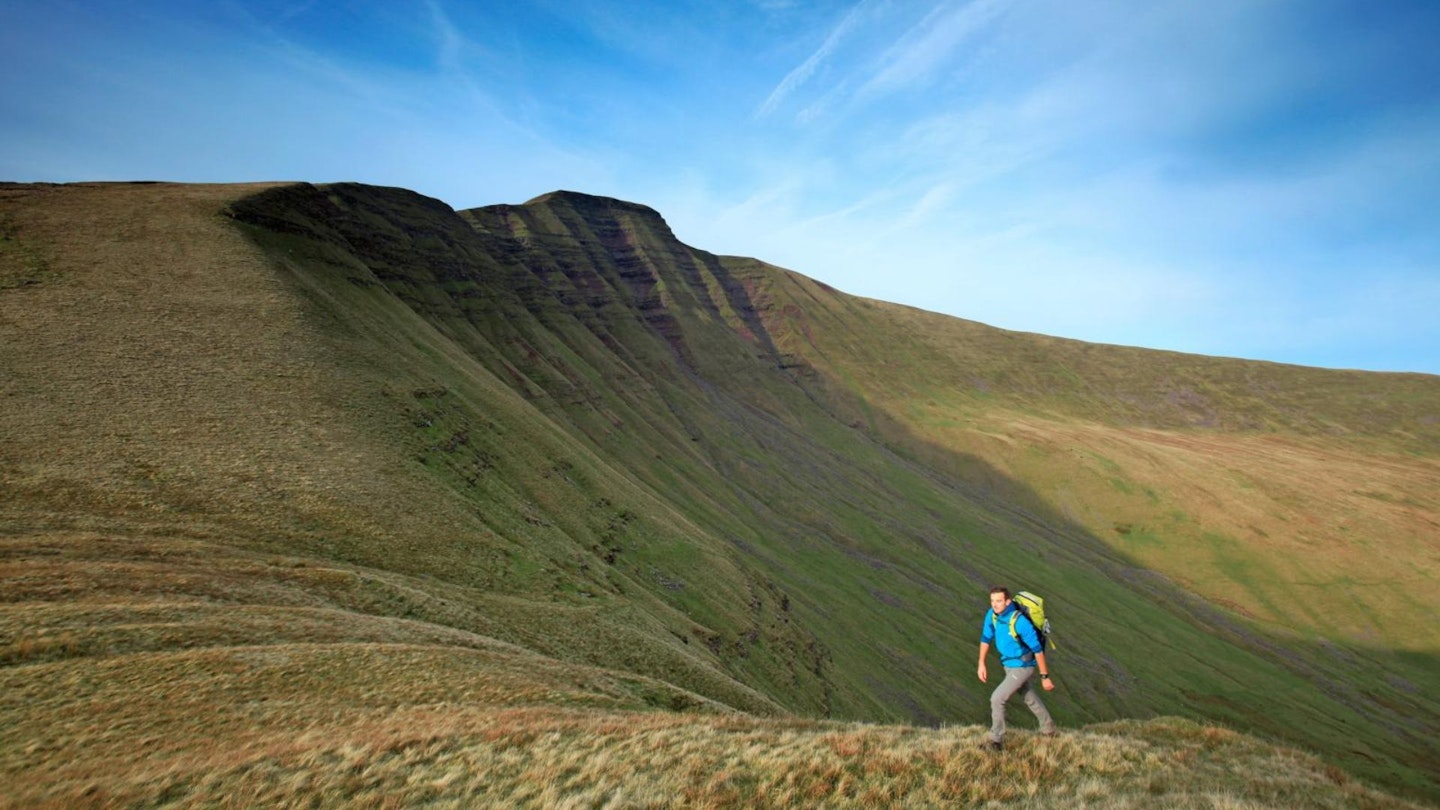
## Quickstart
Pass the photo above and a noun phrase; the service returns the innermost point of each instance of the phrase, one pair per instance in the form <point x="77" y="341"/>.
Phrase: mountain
<point x="344" y="460"/>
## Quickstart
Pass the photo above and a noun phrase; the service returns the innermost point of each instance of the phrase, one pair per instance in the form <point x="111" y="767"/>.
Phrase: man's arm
<point x="984" y="651"/>
<point x="1044" y="668"/>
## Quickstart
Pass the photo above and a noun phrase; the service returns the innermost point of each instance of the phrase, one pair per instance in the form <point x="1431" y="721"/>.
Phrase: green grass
<point x="364" y="420"/>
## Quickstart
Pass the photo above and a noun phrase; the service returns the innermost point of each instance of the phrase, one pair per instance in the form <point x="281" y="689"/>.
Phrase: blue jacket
<point x="997" y="633"/>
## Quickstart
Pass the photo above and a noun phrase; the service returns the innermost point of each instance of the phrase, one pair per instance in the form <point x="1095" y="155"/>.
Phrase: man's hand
<point x="984" y="676"/>
<point x="1044" y="667"/>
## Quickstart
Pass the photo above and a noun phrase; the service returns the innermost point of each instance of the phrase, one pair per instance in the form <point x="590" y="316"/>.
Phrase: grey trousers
<point x="1017" y="679"/>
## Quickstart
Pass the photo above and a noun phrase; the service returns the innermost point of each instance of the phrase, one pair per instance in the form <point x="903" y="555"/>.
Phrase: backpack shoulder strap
<point x="1014" y="615"/>
<point x="1015" y="634"/>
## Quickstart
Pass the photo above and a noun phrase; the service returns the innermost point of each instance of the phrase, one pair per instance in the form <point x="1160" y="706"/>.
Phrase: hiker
<point x="1020" y="653"/>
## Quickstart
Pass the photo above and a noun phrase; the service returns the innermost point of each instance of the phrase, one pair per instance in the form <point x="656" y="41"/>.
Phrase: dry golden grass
<point x="167" y="673"/>
<point x="74" y="595"/>
<point x="250" y="727"/>
<point x="164" y="376"/>
<point x="125" y="664"/>
<point x="1290" y="531"/>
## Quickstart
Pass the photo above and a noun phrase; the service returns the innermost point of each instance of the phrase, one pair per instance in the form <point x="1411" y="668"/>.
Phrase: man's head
<point x="999" y="599"/>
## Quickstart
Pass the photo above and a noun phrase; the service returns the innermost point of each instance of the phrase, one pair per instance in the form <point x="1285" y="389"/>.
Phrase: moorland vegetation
<point x="333" y="493"/>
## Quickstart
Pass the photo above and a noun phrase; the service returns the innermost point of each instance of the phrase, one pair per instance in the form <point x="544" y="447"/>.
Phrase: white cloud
<point x="802" y="73"/>
<point x="451" y="43"/>
<point x="931" y="44"/>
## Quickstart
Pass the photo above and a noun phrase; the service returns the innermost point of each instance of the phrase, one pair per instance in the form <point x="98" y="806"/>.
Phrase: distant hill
<point x="343" y="460"/>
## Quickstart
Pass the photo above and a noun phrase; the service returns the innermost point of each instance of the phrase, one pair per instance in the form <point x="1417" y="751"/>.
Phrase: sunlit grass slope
<point x="1306" y="498"/>
<point x="285" y="447"/>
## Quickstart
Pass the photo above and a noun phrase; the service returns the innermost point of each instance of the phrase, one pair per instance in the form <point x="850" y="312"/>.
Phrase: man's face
<point x="998" y="602"/>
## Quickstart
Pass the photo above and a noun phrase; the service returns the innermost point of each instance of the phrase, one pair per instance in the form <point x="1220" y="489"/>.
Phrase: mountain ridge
<point x="544" y="418"/>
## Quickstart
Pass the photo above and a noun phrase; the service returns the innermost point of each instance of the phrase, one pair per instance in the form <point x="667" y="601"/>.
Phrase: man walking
<point x="1017" y="641"/>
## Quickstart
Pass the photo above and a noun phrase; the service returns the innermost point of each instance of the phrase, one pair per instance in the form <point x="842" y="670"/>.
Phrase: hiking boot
<point x="992" y="745"/>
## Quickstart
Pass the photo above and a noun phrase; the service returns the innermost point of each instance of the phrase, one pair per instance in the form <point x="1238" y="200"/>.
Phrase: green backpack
<point x="1034" y="609"/>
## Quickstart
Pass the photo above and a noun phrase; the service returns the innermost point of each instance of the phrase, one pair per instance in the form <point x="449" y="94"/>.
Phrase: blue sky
<point x="1249" y="178"/>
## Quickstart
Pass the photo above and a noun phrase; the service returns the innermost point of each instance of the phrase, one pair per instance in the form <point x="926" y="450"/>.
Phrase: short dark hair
<point x="1000" y="589"/>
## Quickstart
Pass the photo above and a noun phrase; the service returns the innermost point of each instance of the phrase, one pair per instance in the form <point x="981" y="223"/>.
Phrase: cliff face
<point x="600" y="322"/>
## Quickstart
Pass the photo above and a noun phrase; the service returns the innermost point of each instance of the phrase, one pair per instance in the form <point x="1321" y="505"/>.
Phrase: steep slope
<point x="352" y="414"/>
<point x="167" y="381"/>
<point x="1294" y="495"/>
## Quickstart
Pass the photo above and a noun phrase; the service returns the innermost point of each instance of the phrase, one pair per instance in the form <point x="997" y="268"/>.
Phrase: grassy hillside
<point x="1295" y="496"/>
<point x="341" y="458"/>
<point x="404" y="724"/>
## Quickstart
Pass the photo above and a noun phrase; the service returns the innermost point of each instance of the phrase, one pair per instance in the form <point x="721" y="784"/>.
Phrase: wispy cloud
<point x="866" y="59"/>
<point x="295" y="10"/>
<point x="932" y="201"/>
<point x="805" y="70"/>
<point x="930" y="45"/>
<point x="451" y="43"/>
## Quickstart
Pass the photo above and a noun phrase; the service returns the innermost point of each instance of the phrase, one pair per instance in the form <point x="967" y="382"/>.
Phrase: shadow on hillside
<point x="1367" y="708"/>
